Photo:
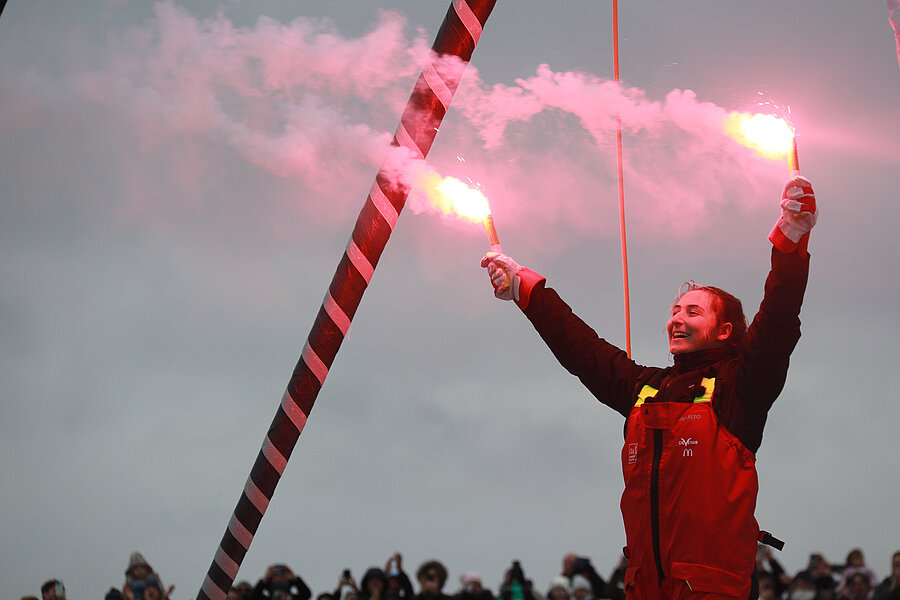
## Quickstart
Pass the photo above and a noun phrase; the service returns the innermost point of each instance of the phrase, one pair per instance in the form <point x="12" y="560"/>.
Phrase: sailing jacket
<point x="691" y="435"/>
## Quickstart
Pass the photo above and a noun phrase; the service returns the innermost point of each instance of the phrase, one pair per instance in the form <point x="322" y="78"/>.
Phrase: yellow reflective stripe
<point x="646" y="392"/>
<point x="708" y="384"/>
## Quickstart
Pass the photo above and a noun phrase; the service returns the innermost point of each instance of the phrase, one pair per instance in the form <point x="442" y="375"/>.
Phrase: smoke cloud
<point x="302" y="102"/>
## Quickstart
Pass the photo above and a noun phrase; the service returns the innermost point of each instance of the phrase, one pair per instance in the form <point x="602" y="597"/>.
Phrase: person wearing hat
<point x="139" y="576"/>
<point x="560" y="588"/>
<point x="581" y="588"/>
<point x="692" y="430"/>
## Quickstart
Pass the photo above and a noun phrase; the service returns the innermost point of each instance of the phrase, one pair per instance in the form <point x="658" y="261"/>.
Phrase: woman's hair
<point x="728" y="309"/>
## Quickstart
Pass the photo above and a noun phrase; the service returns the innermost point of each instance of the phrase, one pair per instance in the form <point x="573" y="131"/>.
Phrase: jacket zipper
<point x="654" y="502"/>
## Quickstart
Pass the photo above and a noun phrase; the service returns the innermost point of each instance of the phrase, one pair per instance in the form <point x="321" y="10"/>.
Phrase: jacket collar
<point x="692" y="361"/>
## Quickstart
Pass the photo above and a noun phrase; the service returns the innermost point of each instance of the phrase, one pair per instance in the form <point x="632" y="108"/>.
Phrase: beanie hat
<point x="137" y="560"/>
<point x="560" y="581"/>
<point x="470" y="577"/>
<point x="580" y="583"/>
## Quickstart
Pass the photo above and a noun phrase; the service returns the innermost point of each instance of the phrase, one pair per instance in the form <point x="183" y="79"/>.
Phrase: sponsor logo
<point x="687" y="443"/>
<point x="691" y="418"/>
<point x="632" y="453"/>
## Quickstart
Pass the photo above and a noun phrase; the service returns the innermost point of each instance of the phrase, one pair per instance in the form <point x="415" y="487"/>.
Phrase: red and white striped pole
<point x="428" y="103"/>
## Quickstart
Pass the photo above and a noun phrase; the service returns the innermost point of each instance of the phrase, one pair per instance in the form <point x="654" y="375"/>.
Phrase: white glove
<point x="798" y="216"/>
<point x="504" y="275"/>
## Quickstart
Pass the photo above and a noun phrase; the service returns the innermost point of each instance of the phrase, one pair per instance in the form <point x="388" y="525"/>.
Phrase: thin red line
<point x="627" y="295"/>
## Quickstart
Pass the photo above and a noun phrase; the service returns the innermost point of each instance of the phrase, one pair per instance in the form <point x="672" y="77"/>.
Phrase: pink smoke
<point x="894" y="15"/>
<point x="303" y="102"/>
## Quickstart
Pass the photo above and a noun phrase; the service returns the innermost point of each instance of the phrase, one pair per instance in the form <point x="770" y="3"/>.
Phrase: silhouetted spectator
<point x="346" y="588"/>
<point x="373" y="585"/>
<point x="114" y="594"/>
<point x="399" y="587"/>
<point x="581" y="588"/>
<point x="803" y="587"/>
<point x="280" y="583"/>
<point x="472" y="588"/>
<point x="574" y="565"/>
<point x="766" y="586"/>
<point x="53" y="589"/>
<point x="859" y="586"/>
<point x="139" y="576"/>
<point x="856" y="563"/>
<point x="244" y="589"/>
<point x="516" y="586"/>
<point x="153" y="591"/>
<point x="615" y="587"/>
<point x="559" y="588"/>
<point x="765" y="561"/>
<point x="820" y="572"/>
<point x="432" y="576"/>
<point x="889" y="589"/>
<point x="855" y="558"/>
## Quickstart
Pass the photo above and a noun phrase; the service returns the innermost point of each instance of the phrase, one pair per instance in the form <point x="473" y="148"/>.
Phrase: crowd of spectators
<point x="577" y="580"/>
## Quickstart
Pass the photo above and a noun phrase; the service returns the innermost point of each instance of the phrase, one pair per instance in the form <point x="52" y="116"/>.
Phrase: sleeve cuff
<point x="785" y="245"/>
<point x="527" y="280"/>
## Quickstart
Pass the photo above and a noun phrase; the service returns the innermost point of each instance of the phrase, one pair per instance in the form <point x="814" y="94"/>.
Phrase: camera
<point x="516" y="574"/>
<point x="582" y="565"/>
<point x="346" y="574"/>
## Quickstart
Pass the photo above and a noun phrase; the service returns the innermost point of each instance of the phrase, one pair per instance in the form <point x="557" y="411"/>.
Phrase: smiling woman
<point x="692" y="429"/>
<point x="704" y="317"/>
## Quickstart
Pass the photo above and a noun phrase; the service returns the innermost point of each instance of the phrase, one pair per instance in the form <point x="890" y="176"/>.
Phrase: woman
<point x="692" y="429"/>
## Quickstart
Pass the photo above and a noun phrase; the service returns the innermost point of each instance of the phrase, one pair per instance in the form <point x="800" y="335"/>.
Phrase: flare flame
<point x="453" y="197"/>
<point x="771" y="136"/>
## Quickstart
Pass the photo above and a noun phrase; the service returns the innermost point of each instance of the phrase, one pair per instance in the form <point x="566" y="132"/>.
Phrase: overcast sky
<point x="179" y="180"/>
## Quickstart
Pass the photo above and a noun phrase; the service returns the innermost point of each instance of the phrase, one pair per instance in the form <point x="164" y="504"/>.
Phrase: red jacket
<point x="691" y="435"/>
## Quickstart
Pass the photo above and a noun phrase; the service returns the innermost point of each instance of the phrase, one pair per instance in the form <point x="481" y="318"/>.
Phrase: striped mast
<point x="427" y="105"/>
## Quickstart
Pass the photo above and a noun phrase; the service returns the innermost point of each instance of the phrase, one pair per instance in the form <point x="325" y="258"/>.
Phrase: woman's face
<point x="694" y="324"/>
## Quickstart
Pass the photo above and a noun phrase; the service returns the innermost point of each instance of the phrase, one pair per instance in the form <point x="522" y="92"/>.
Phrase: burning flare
<point x="769" y="135"/>
<point x="453" y="197"/>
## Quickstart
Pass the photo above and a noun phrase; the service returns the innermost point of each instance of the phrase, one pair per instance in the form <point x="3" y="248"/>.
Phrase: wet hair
<point x="728" y="309"/>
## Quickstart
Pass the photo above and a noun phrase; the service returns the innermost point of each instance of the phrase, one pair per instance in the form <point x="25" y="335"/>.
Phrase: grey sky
<point x="174" y="205"/>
